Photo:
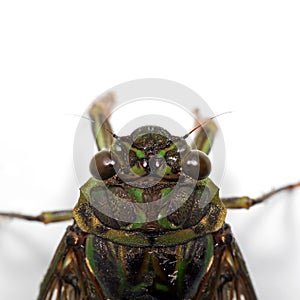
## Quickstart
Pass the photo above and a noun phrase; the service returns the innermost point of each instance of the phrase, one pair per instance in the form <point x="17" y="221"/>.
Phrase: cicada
<point x="149" y="224"/>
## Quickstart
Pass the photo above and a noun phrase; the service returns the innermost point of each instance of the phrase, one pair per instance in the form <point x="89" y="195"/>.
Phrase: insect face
<point x="150" y="151"/>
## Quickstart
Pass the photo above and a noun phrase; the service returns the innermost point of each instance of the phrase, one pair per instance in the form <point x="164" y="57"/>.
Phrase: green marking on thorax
<point x="136" y="194"/>
<point x="139" y="153"/>
<point x="161" y="287"/>
<point x="164" y="222"/>
<point x="140" y="221"/>
<point x="168" y="170"/>
<point x="138" y="170"/>
<point x="176" y="237"/>
<point x="139" y="287"/>
<point x="165" y="192"/>
<point x="161" y="153"/>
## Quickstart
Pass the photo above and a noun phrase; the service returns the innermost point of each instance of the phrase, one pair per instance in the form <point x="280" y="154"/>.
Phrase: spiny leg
<point x="205" y="135"/>
<point x="45" y="217"/>
<point x="100" y="112"/>
<point x="247" y="202"/>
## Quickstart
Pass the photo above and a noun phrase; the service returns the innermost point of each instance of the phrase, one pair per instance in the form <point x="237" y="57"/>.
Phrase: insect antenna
<point x="111" y="133"/>
<point x="204" y="123"/>
<point x="81" y="116"/>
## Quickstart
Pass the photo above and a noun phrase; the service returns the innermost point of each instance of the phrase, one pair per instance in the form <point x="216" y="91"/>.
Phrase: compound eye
<point x="196" y="164"/>
<point x="102" y="165"/>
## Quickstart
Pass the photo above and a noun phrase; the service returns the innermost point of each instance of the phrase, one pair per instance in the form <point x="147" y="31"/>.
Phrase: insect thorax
<point x="154" y="210"/>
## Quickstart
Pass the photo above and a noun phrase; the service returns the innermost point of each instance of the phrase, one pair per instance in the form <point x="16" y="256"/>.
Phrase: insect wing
<point x="68" y="276"/>
<point x="235" y="282"/>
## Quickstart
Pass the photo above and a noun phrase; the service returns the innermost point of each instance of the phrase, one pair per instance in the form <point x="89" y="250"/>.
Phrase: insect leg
<point x="45" y="217"/>
<point x="247" y="202"/>
<point x="100" y="112"/>
<point x="205" y="135"/>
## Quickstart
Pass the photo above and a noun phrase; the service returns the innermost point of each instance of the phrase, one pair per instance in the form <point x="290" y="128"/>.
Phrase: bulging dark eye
<point x="102" y="165"/>
<point x="196" y="164"/>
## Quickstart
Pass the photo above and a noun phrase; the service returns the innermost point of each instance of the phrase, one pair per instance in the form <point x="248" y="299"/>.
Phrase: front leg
<point x="44" y="217"/>
<point x="100" y="112"/>
<point x="205" y="135"/>
<point x="247" y="202"/>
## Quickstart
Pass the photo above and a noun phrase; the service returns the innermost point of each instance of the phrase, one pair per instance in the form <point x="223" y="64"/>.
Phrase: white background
<point x="57" y="56"/>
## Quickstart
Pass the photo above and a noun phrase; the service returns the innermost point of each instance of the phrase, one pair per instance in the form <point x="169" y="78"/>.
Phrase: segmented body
<point x="149" y="224"/>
